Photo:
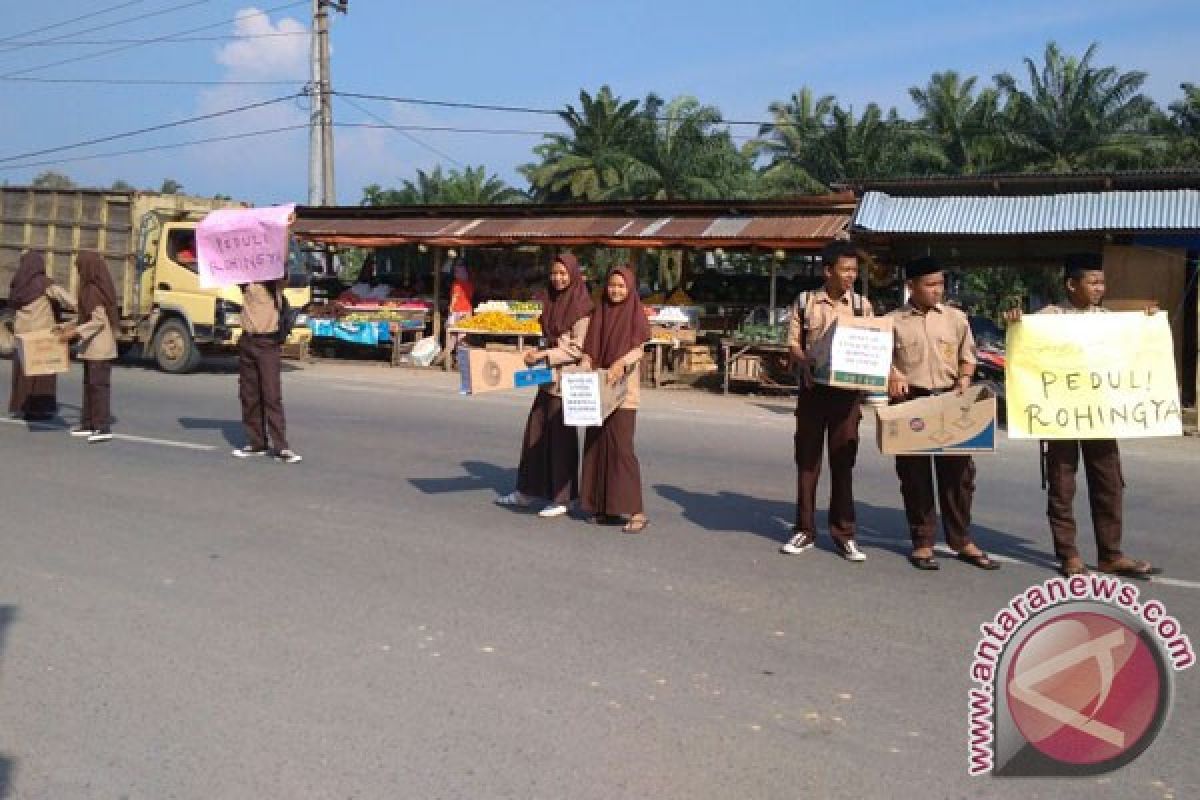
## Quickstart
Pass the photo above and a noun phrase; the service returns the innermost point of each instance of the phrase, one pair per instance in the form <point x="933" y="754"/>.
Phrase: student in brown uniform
<point x="934" y="352"/>
<point x="825" y="412"/>
<point x="98" y="346"/>
<point x="1084" y="279"/>
<point x="36" y="299"/>
<point x="612" y="476"/>
<point x="260" y="374"/>
<point x="549" y="467"/>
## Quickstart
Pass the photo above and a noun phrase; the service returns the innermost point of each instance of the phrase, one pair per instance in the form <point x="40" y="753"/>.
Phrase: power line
<point x="122" y="48"/>
<point x="72" y="42"/>
<point x="153" y="148"/>
<point x="116" y="24"/>
<point x="72" y="21"/>
<point x="449" y="129"/>
<point x="401" y="131"/>
<point x="151" y="129"/>
<point x="143" y="81"/>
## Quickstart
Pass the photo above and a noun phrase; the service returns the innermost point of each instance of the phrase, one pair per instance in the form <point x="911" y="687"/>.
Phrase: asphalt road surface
<point x="175" y="623"/>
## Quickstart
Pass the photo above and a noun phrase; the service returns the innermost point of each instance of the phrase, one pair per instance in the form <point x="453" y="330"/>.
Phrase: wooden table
<point x="658" y="359"/>
<point x="733" y="348"/>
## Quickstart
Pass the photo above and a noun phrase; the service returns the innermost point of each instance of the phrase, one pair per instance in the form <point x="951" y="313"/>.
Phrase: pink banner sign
<point x="235" y="246"/>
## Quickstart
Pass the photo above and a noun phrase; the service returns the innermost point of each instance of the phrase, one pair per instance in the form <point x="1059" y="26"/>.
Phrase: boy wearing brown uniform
<point x="1084" y="280"/>
<point x="260" y="380"/>
<point x="934" y="352"/>
<point x="824" y="411"/>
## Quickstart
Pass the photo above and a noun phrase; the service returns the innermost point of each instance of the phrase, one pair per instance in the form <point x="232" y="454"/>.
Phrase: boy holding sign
<point x="934" y="353"/>
<point x="1084" y="280"/>
<point x="825" y="411"/>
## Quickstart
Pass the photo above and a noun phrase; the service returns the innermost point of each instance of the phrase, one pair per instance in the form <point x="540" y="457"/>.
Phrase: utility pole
<point x="321" y="188"/>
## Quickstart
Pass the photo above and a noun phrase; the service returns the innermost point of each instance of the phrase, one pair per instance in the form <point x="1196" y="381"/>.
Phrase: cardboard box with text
<point x="944" y="424"/>
<point x="41" y="353"/>
<point x="855" y="353"/>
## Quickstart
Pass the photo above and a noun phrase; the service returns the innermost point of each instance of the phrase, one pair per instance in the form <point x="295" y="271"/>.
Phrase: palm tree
<point x="472" y="186"/>
<point x="791" y="143"/>
<point x="875" y="145"/>
<point x="589" y="162"/>
<point x="1185" y="128"/>
<point x="684" y="154"/>
<point x="962" y="137"/>
<point x="1075" y="116"/>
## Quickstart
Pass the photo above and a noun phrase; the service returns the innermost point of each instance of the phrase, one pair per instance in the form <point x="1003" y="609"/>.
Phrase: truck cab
<point x="176" y="320"/>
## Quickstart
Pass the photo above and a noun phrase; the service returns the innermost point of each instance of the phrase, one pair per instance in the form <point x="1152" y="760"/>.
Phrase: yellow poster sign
<point x="1092" y="376"/>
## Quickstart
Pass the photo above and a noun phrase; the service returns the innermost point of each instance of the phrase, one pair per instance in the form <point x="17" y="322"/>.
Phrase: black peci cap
<point x="1076" y="264"/>
<point x="920" y="267"/>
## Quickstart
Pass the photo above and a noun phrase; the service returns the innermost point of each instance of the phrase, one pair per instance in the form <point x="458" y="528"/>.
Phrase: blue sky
<point x="739" y="57"/>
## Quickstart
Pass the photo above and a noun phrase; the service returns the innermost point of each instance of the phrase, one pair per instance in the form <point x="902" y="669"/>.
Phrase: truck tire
<point x="174" y="350"/>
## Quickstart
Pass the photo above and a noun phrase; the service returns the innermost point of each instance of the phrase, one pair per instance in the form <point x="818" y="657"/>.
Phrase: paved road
<point x="178" y="624"/>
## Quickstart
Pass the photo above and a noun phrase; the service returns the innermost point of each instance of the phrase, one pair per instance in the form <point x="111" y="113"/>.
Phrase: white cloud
<point x="280" y="51"/>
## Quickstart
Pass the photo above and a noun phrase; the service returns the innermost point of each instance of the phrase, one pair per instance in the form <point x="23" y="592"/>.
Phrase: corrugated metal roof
<point x="711" y="230"/>
<point x="1162" y="210"/>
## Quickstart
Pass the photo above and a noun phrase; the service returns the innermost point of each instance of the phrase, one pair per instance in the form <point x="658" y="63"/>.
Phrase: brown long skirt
<point x="612" y="476"/>
<point x="34" y="397"/>
<point x="549" y="453"/>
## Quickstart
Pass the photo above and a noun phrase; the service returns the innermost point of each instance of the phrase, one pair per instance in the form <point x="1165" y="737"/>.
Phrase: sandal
<point x="1127" y="567"/>
<point x="513" y="500"/>
<point x="979" y="560"/>
<point x="927" y="563"/>
<point x="1073" y="566"/>
<point x="636" y="524"/>
<point x="599" y="519"/>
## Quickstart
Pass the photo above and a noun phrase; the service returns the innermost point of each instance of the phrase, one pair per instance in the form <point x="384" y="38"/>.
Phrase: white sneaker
<point x="249" y="452"/>
<point x="798" y="544"/>
<point x="289" y="457"/>
<point x="552" y="511"/>
<point x="850" y="552"/>
<point x="102" y="435"/>
<point x="513" y="500"/>
<point x="82" y="431"/>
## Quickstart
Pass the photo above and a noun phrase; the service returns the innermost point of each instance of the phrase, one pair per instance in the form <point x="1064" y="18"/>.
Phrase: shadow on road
<point x="231" y="429"/>
<point x="880" y="527"/>
<point x="479" y="475"/>
<point x="7" y="615"/>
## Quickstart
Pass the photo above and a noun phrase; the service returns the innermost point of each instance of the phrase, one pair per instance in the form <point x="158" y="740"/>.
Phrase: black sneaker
<point x="102" y="435"/>
<point x="249" y="452"/>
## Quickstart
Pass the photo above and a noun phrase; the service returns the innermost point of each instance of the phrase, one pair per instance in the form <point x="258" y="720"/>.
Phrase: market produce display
<point x="498" y="322"/>
<point x="762" y="334"/>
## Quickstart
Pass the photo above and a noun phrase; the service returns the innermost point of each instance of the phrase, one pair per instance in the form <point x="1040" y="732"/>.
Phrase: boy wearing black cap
<point x="1084" y="279"/>
<point x="824" y="411"/>
<point x="934" y="352"/>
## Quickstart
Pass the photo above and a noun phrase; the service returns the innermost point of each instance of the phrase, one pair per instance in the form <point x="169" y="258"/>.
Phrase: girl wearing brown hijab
<point x="36" y="299"/>
<point x="98" y="346"/>
<point x="549" y="467"/>
<point x="612" y="477"/>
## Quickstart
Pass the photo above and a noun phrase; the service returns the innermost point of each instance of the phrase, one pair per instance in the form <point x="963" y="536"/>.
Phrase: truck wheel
<point x="174" y="349"/>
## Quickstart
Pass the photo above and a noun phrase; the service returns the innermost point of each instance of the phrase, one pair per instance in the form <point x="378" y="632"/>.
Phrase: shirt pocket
<point x="947" y="350"/>
<point x="910" y="352"/>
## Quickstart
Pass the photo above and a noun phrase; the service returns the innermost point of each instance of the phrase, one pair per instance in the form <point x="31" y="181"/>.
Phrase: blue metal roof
<point x="1150" y="210"/>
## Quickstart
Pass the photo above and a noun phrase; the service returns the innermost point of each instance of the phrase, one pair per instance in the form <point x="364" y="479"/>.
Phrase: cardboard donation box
<point x="492" y="370"/>
<point x="855" y="353"/>
<point x="41" y="353"/>
<point x="946" y="424"/>
<point x="587" y="398"/>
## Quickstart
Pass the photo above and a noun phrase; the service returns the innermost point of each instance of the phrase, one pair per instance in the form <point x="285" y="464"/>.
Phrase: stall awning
<point x="802" y="226"/>
<point x="1061" y="213"/>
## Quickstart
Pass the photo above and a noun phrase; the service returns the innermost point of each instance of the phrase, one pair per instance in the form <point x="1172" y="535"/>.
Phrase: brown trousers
<point x="823" y="412"/>
<point x="549" y="466"/>
<point x="260" y="389"/>
<point x="955" y="492"/>
<point x="33" y="397"/>
<point x="612" y="476"/>
<point x="97" y="395"/>
<point x="1102" y="463"/>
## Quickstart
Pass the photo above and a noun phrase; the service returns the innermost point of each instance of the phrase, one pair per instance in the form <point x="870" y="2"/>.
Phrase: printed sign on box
<point x="588" y="399"/>
<point x="235" y="246"/>
<point x="855" y="353"/>
<point x="493" y="370"/>
<point x="41" y="353"/>
<point x="1092" y="376"/>
<point x="946" y="424"/>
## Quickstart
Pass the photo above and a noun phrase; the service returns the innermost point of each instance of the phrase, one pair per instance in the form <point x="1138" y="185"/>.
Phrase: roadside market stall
<point x="704" y="266"/>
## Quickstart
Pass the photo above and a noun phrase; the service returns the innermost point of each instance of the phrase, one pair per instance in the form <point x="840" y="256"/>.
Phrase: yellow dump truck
<point x="149" y="243"/>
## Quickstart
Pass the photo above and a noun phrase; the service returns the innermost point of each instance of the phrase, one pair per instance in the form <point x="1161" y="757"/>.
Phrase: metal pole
<point x="316" y="147"/>
<point x="326" y="89"/>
